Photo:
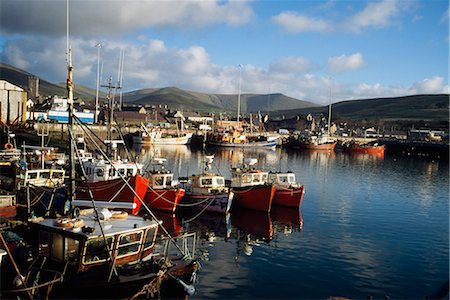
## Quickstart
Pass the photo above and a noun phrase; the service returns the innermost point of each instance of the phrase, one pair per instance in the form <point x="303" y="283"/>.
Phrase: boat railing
<point x="186" y="242"/>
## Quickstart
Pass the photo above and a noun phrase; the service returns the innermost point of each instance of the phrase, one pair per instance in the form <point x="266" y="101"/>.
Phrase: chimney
<point x="33" y="87"/>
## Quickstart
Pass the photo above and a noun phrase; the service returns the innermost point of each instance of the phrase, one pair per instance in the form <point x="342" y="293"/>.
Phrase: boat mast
<point x="71" y="189"/>
<point x="239" y="94"/>
<point x="329" y="107"/>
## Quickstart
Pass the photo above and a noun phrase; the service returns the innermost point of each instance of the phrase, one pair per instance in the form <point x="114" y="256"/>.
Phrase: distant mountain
<point x="182" y="99"/>
<point x="416" y="107"/>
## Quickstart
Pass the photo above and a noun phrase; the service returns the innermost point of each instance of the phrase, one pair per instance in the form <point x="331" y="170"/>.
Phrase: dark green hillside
<point x="417" y="107"/>
<point x="176" y="99"/>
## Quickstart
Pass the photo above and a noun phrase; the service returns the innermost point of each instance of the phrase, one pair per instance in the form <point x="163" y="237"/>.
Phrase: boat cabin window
<point x="129" y="172"/>
<point x="122" y="172"/>
<point x="258" y="178"/>
<point x="32" y="176"/>
<point x="264" y="177"/>
<point x="291" y="178"/>
<point x="112" y="172"/>
<point x="96" y="250"/>
<point x="159" y="180"/>
<point x="169" y="180"/>
<point x="57" y="174"/>
<point x="45" y="175"/>
<point x="220" y="181"/>
<point x="283" y="179"/>
<point x="150" y="237"/>
<point x="129" y="243"/>
<point x="206" y="182"/>
<point x="58" y="247"/>
<point x="246" y="178"/>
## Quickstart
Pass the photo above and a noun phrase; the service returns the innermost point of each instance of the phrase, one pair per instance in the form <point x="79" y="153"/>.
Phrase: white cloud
<point x="435" y="85"/>
<point x="117" y="17"/>
<point x="379" y="15"/>
<point x="291" y="65"/>
<point x="294" y="22"/>
<point x="343" y="63"/>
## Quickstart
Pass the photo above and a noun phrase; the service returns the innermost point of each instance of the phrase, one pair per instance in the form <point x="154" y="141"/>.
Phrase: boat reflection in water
<point x="170" y="221"/>
<point x="286" y="219"/>
<point x="253" y="222"/>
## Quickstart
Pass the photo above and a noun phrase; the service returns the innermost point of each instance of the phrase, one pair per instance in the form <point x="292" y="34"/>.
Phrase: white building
<point x="13" y="101"/>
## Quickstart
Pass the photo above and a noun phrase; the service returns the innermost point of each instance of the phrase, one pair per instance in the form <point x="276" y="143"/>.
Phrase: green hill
<point x="416" y="107"/>
<point x="181" y="99"/>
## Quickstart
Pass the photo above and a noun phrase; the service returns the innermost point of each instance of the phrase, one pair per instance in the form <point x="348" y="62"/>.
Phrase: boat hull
<point x="116" y="190"/>
<point x="216" y="203"/>
<point x="291" y="197"/>
<point x="244" y="145"/>
<point x="164" y="199"/>
<point x="367" y="149"/>
<point x="182" y="140"/>
<point x="258" y="197"/>
<point x="323" y="147"/>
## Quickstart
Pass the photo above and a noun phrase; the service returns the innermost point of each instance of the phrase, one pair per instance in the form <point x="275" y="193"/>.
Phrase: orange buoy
<point x="9" y="146"/>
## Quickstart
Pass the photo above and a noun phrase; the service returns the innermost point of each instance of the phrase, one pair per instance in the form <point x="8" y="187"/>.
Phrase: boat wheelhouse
<point x="113" y="181"/>
<point x="162" y="194"/>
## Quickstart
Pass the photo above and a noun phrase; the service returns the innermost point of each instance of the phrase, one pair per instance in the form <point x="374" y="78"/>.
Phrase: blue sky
<point x="303" y="49"/>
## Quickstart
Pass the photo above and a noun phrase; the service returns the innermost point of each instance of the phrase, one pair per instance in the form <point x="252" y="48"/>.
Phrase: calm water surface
<point x="371" y="226"/>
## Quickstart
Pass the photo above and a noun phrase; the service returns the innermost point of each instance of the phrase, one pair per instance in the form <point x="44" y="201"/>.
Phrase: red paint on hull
<point x="253" y="222"/>
<point x="291" y="197"/>
<point x="258" y="197"/>
<point x="8" y="211"/>
<point x="164" y="199"/>
<point x="116" y="190"/>
<point x="368" y="149"/>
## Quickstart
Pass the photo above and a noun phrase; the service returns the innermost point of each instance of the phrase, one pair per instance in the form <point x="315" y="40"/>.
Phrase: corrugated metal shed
<point x="12" y="103"/>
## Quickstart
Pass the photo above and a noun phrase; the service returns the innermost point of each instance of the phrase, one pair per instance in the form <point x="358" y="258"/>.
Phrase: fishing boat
<point x="8" y="208"/>
<point x="288" y="191"/>
<point x="105" y="182"/>
<point x="238" y="139"/>
<point x="162" y="193"/>
<point x="250" y="187"/>
<point x="322" y="142"/>
<point x="207" y="191"/>
<point x="101" y="254"/>
<point x="155" y="136"/>
<point x="369" y="148"/>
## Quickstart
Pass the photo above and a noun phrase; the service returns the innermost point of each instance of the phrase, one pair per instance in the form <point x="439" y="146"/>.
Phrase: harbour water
<point x="368" y="226"/>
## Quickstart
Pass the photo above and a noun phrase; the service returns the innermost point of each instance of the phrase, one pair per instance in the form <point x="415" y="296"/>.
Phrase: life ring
<point x="9" y="146"/>
<point x="119" y="214"/>
<point x="69" y="223"/>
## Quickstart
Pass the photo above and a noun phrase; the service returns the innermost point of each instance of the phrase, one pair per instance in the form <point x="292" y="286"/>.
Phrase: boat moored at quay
<point x="251" y="188"/>
<point x="288" y="191"/>
<point x="207" y="191"/>
<point x="162" y="193"/>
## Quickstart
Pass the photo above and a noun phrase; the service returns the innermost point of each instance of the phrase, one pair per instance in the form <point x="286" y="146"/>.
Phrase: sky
<point x="309" y="50"/>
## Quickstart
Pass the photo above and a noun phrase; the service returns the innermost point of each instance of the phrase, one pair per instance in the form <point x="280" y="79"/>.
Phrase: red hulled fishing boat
<point x="162" y="194"/>
<point x="250" y="187"/>
<point x="288" y="191"/>
<point x="373" y="148"/>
